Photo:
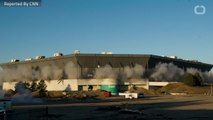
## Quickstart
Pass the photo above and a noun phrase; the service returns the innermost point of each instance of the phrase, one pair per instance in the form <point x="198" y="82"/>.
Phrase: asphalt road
<point x="166" y="107"/>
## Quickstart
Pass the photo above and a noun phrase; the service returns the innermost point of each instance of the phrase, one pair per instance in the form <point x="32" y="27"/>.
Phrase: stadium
<point x="106" y="71"/>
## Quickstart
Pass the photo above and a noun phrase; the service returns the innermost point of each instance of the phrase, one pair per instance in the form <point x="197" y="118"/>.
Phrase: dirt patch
<point x="182" y="88"/>
<point x="84" y="94"/>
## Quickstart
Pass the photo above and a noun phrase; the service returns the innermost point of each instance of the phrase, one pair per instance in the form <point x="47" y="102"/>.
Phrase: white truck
<point x="129" y="95"/>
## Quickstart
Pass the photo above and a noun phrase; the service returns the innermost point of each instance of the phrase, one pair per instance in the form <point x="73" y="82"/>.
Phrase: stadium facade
<point x="85" y="66"/>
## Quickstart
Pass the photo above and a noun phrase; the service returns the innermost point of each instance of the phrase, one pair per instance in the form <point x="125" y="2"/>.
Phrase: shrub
<point x="192" y="80"/>
<point x="42" y="88"/>
<point x="34" y="86"/>
<point x="21" y="87"/>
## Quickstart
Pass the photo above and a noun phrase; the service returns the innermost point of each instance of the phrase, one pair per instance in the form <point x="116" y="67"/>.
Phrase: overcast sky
<point x="161" y="27"/>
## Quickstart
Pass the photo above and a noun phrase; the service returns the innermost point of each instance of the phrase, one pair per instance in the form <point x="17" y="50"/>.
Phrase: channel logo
<point x="199" y="9"/>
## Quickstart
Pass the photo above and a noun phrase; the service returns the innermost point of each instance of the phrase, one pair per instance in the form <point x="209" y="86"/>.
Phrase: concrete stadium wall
<point x="85" y="88"/>
<point x="137" y="83"/>
<point x="90" y="81"/>
<point x="160" y="84"/>
<point x="75" y="84"/>
<point x="67" y="84"/>
<point x="52" y="85"/>
<point x="96" y="83"/>
<point x="8" y="85"/>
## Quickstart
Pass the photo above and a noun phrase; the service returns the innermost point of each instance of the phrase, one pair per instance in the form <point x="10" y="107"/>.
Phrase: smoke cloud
<point x="161" y="72"/>
<point x="36" y="74"/>
<point x="51" y="72"/>
<point x="23" y="95"/>
<point x="193" y="71"/>
<point x="71" y="70"/>
<point x="22" y="72"/>
<point x="206" y="76"/>
<point x="106" y="72"/>
<point x="135" y="72"/>
<point x="27" y="72"/>
<point x="111" y="75"/>
<point x="167" y="72"/>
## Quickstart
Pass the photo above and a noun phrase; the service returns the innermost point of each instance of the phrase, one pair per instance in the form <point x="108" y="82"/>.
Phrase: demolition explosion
<point x="105" y="71"/>
<point x="69" y="79"/>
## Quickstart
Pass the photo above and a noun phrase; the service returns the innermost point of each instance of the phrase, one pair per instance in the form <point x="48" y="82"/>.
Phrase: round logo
<point x="199" y="9"/>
